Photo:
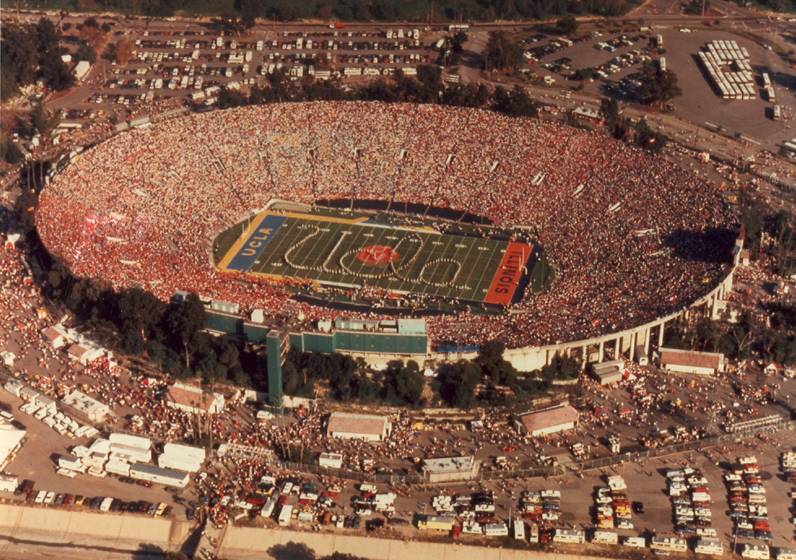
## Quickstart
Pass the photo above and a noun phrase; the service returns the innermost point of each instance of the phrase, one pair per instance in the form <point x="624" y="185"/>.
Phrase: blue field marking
<point x="256" y="243"/>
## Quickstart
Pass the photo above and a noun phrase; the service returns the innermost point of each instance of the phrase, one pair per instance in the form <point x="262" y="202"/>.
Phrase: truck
<point x="435" y="523"/>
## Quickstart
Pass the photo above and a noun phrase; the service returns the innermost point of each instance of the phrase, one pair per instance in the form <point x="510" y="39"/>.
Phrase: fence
<point x="414" y="478"/>
<point x="680" y="447"/>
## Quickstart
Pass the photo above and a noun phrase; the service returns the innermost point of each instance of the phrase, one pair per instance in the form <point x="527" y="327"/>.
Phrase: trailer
<point x="435" y="523"/>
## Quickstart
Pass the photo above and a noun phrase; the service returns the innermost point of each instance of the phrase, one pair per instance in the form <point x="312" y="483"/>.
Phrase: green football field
<point x="353" y="253"/>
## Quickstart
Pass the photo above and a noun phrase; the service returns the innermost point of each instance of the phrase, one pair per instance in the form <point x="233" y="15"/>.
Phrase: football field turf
<point x="401" y="260"/>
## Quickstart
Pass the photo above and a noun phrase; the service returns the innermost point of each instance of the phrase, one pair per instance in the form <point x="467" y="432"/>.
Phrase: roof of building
<point x="157" y="471"/>
<point x="193" y="397"/>
<point x="9" y="439"/>
<point x="449" y="465"/>
<point x="85" y="404"/>
<point x="550" y="417"/>
<point x="76" y="350"/>
<point x="365" y="424"/>
<point x="52" y="334"/>
<point x="688" y="358"/>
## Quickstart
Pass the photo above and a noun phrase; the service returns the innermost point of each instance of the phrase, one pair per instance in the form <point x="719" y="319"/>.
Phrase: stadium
<point x="402" y="210"/>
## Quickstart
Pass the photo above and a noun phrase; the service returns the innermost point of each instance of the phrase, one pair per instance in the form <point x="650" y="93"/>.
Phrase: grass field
<point x="356" y="252"/>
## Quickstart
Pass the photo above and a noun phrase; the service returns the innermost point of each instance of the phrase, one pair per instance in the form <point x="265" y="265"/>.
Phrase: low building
<point x="548" y="420"/>
<point x="85" y="407"/>
<point x="13" y="386"/>
<point x="331" y="460"/>
<point x="358" y="426"/>
<point x="193" y="399"/>
<point x="10" y="440"/>
<point x="46" y="403"/>
<point x="167" y="477"/>
<point x="84" y="354"/>
<point x="29" y="394"/>
<point x="688" y="361"/>
<point x="55" y="336"/>
<point x="609" y="372"/>
<point x="450" y="469"/>
<point x="8" y="483"/>
<point x="182" y="457"/>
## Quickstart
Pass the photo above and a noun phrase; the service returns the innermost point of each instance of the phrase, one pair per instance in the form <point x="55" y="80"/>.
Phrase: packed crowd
<point x="630" y="236"/>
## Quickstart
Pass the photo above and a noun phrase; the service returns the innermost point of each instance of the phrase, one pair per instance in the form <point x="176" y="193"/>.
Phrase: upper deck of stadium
<point x="631" y="237"/>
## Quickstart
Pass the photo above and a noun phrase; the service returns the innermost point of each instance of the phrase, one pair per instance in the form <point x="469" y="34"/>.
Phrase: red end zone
<point x="504" y="284"/>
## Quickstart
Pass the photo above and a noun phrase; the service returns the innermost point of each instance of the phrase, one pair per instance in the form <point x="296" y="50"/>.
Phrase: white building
<point x="10" y="439"/>
<point x="94" y="410"/>
<point x="358" y="426"/>
<point x="182" y="457"/>
<point x="450" y="469"/>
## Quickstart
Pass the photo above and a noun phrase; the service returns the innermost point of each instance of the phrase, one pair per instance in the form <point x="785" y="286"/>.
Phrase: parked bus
<point x="659" y="41"/>
<point x="569" y="536"/>
<point x="777" y="112"/>
<point x="670" y="544"/>
<point x="766" y="80"/>
<point x="285" y="515"/>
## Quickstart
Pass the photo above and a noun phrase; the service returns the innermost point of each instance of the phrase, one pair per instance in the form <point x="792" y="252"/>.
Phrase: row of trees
<point x="31" y="52"/>
<point x="365" y="10"/>
<point x="427" y="88"/>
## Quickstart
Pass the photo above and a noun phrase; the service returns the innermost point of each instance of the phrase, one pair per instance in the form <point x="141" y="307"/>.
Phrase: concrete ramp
<point x="246" y="543"/>
<point x="30" y="532"/>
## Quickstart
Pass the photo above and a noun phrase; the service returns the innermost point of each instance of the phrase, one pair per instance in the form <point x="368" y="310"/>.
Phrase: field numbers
<point x="324" y="229"/>
<point x="391" y="237"/>
<point x="437" y="243"/>
<point x="460" y="246"/>
<point x="367" y="234"/>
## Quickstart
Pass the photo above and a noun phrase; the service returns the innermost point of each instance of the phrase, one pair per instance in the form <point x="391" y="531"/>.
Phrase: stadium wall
<point x="381" y="348"/>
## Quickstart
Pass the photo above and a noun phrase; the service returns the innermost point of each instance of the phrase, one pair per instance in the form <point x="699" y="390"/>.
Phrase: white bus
<point x="285" y="515"/>
<point x="659" y="41"/>
<point x="635" y="542"/>
<point x="519" y="529"/>
<point x="786" y="554"/>
<point x="569" y="536"/>
<point x="662" y="63"/>
<point x="709" y="546"/>
<point x="766" y="83"/>
<point x="756" y="551"/>
<point x="605" y="537"/>
<point x="777" y="112"/>
<point x="496" y="530"/>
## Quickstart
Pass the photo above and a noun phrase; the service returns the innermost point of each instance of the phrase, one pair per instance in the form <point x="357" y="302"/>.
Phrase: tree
<point x="567" y="25"/>
<point x="409" y="383"/>
<point x="42" y="120"/>
<point x="123" y="51"/>
<point x="501" y="52"/>
<point x="55" y="72"/>
<point x="648" y="139"/>
<point x="185" y="321"/>
<point x="516" y="103"/>
<point x="86" y="52"/>
<point x="657" y="86"/>
<point x="609" y="111"/>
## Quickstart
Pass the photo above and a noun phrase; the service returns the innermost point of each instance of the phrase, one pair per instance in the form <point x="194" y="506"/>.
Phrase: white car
<point x="49" y="498"/>
<point x="624" y="524"/>
<point x="40" y="497"/>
